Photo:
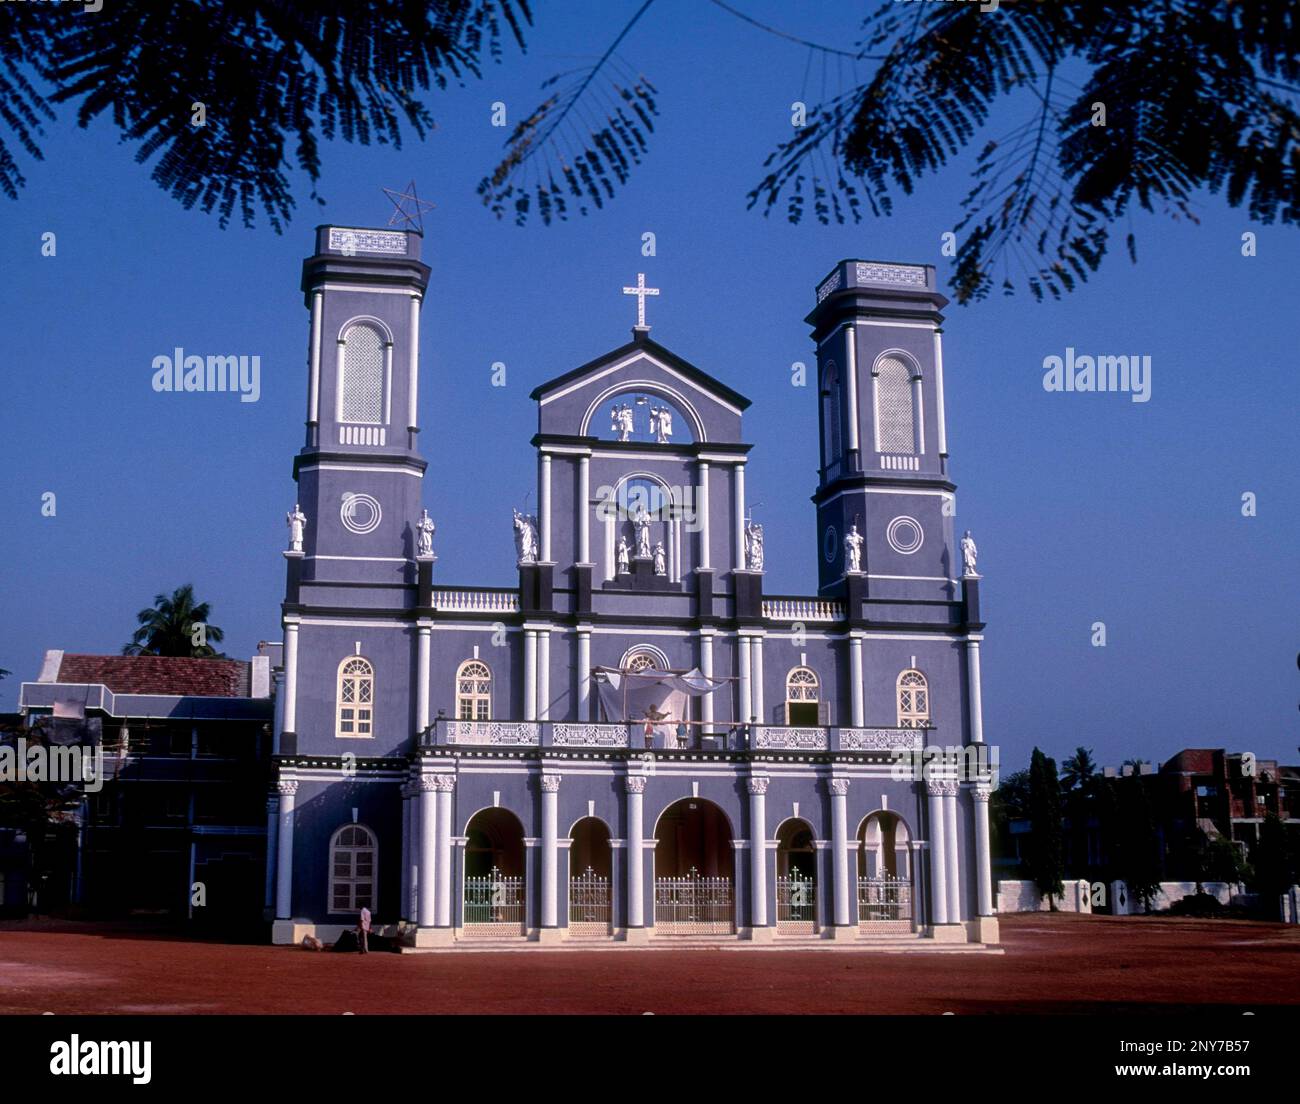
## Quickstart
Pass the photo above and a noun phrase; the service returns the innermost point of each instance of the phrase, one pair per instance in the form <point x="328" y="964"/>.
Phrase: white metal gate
<point x="885" y="904"/>
<point x="796" y="904"/>
<point x="694" y="905"/>
<point x="494" y="905"/>
<point x="590" y="914"/>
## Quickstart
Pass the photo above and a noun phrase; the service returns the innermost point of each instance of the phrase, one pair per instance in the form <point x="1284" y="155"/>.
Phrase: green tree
<point x="1198" y="98"/>
<point x="1010" y="801"/>
<point x="1138" y="846"/>
<point x="1274" y="864"/>
<point x="1044" y="858"/>
<point x="1078" y="771"/>
<point x="168" y="627"/>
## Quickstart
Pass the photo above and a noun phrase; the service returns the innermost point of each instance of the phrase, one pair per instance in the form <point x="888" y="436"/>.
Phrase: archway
<point x="884" y="872"/>
<point x="590" y="867"/>
<point x="494" y="874"/>
<point x="796" y="878"/>
<point x="694" y="870"/>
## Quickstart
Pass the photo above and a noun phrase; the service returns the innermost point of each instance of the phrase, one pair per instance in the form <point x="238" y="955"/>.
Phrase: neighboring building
<point x="635" y="740"/>
<point x="186" y="744"/>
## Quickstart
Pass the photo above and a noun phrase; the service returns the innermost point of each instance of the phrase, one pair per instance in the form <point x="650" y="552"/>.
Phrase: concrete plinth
<point x="551" y="935"/>
<point x="949" y="933"/>
<point x="987" y="930"/>
<point x="762" y="935"/>
<point x="434" y="937"/>
<point x="843" y="931"/>
<point x="637" y="935"/>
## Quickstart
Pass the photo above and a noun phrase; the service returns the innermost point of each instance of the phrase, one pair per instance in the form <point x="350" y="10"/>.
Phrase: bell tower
<point x="884" y="450"/>
<point x="360" y="470"/>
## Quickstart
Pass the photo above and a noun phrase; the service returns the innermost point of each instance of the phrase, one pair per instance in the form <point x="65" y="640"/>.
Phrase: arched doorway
<point x="590" y="866"/>
<point x="494" y="874"/>
<point x="796" y="878"/>
<point x="884" y="873"/>
<point x="694" y="870"/>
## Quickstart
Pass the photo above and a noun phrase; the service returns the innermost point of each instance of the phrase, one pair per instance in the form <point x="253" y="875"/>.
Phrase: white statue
<point x="620" y="421"/>
<point x="853" y="551"/>
<point x="753" y="546"/>
<point x="297" y="521"/>
<point x="968" y="554"/>
<point x="661" y="423"/>
<point x="661" y="560"/>
<point x="424" y="529"/>
<point x="641" y="523"/>
<point x="624" y="563"/>
<point x="526" y="537"/>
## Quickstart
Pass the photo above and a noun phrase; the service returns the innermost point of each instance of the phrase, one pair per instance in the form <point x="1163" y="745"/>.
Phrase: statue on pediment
<point x="624" y="556"/>
<point x="297" y="522"/>
<point x="853" y="551"/>
<point x="526" y="537"/>
<point x="661" y="559"/>
<point x="661" y="423"/>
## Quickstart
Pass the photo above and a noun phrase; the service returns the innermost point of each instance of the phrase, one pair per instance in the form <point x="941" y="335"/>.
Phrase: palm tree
<point x="1078" y="770"/>
<point x="168" y="627"/>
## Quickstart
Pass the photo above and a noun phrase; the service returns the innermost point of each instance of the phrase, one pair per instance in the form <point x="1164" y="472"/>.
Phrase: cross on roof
<point x="414" y="217"/>
<point x="640" y="291"/>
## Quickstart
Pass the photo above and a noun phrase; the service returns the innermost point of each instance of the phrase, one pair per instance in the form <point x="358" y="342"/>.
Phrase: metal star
<point x="414" y="217"/>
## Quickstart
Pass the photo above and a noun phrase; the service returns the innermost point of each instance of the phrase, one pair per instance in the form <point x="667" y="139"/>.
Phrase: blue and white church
<point x="636" y="742"/>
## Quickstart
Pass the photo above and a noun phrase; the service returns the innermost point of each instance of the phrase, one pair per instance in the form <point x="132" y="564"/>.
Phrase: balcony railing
<point x="449" y="732"/>
<point x="476" y="601"/>
<point x="803" y="609"/>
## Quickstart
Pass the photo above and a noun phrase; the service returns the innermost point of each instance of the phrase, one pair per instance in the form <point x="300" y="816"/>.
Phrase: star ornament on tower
<point x="409" y="206"/>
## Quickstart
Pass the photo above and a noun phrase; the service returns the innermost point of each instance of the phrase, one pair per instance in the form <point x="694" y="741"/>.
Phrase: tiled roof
<point x="209" y="678"/>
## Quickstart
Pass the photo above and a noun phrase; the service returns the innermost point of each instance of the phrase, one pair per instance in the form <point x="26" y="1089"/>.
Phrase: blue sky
<point x="1086" y="507"/>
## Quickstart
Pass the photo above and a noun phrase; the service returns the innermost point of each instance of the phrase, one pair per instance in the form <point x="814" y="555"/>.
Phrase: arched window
<point x="913" y="700"/>
<point x="640" y="661"/>
<point x="352" y="869"/>
<point x="362" y="368"/>
<point x="897" y="391"/>
<point x="356" y="700"/>
<point x="474" y="691"/>
<point x="831" y="416"/>
<point x="801" y="696"/>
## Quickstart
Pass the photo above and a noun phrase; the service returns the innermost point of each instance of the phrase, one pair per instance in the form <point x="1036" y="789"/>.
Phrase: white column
<point x="740" y="517"/>
<point x="585" y="711"/>
<point x="550" y="849"/>
<point x="584" y="509"/>
<point x="758" y="851"/>
<point x="757" y="659"/>
<point x="313" y="379"/>
<point x="706" y="669"/>
<point x="938" y="867"/>
<point x="745" y="705"/>
<point x="272" y="834"/>
<point x="973" y="691"/>
<point x="938" y="388"/>
<point x="952" y="853"/>
<point x="412" y="414"/>
<point x="424" y="633"/>
<point x="702" y="505"/>
<point x="543" y="674"/>
<point x="858" y="712"/>
<point x="840" y="847"/>
<point x="291" y="676"/>
<point x="284" y="848"/>
<point x="428" y="846"/>
<point x="412" y="904"/>
<point x="444" y="783"/>
<point x="530" y="674"/>
<point x="851" y="367"/>
<point x="635" y="861"/>
<point x="983" y="869"/>
<point x="403" y="911"/>
<point x="545" y="507"/>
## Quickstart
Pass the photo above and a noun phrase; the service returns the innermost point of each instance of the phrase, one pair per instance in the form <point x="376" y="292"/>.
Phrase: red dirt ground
<point x="1053" y="964"/>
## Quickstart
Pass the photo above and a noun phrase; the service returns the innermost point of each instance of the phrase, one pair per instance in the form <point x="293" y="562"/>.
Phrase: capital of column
<point x="550" y="783"/>
<point x="635" y="785"/>
<point x="444" y="783"/>
<point x="427" y="784"/>
<point x="839" y="787"/>
<point x="933" y="788"/>
<point x="950" y="789"/>
<point x="980" y="792"/>
<point x="758" y="785"/>
<point x="287" y="789"/>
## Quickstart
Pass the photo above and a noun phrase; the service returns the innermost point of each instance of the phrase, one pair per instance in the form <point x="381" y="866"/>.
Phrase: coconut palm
<point x="1078" y="770"/>
<point x="167" y="628"/>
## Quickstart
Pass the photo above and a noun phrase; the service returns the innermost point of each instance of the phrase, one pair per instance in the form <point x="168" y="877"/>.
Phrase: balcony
<point x="449" y="732"/>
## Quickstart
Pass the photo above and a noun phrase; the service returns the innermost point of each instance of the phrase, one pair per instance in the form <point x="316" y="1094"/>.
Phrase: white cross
<point x="640" y="291"/>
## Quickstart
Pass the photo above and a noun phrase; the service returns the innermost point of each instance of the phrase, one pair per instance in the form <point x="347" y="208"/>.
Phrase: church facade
<point x="636" y="742"/>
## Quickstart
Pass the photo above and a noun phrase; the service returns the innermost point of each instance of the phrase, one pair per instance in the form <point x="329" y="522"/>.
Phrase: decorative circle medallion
<point x="905" y="535"/>
<point x="360" y="513"/>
